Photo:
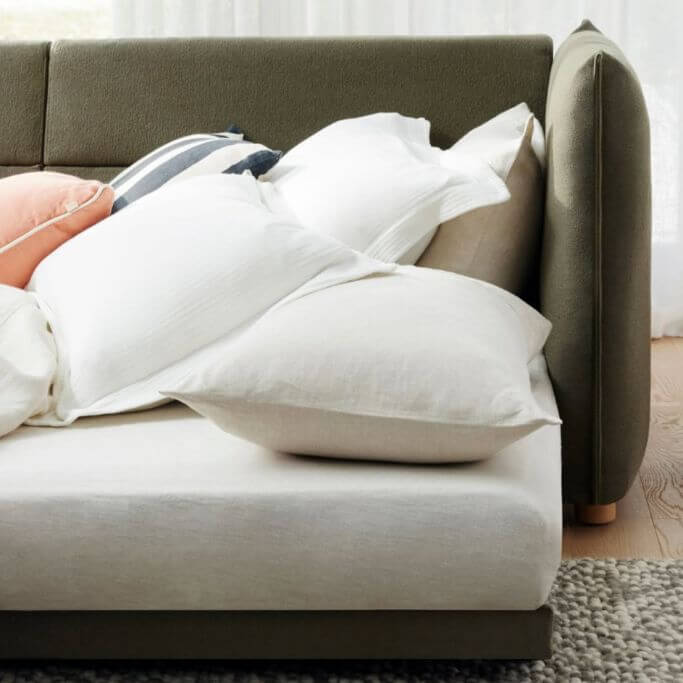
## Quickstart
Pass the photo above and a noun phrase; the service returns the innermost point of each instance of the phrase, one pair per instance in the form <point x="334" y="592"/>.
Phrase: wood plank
<point x="631" y="535"/>
<point x="662" y="470"/>
<point x="670" y="536"/>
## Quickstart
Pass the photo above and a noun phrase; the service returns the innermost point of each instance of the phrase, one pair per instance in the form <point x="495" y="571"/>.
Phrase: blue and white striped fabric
<point x="189" y="156"/>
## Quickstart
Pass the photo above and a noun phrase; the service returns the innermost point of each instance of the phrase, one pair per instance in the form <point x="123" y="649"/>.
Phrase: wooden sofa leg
<point x="595" y="514"/>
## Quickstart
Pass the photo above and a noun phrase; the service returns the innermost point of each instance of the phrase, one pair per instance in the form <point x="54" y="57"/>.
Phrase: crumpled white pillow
<point x="28" y="358"/>
<point x="497" y="141"/>
<point x="418" y="365"/>
<point x="136" y="300"/>
<point x="376" y="184"/>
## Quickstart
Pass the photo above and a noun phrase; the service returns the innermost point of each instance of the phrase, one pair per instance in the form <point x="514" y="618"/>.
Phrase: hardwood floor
<point x="649" y="520"/>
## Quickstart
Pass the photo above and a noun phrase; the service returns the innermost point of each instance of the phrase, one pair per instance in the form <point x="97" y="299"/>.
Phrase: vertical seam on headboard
<point x="597" y="294"/>
<point x="551" y="58"/>
<point x="45" y="95"/>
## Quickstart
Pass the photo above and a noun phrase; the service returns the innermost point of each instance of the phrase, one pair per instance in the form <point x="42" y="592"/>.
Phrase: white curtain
<point x="649" y="31"/>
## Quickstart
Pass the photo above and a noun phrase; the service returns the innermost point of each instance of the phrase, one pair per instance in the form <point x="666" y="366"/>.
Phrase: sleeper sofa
<point x="155" y="535"/>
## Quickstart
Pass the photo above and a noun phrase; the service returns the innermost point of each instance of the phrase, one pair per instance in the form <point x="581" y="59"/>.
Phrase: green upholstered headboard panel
<point x="23" y="84"/>
<point x="106" y="103"/>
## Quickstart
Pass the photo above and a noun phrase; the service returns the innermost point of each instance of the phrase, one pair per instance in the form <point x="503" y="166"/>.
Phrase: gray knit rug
<point x="615" y="621"/>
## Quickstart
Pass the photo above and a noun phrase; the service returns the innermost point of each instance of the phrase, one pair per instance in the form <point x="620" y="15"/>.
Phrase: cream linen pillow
<point x="417" y="366"/>
<point x="498" y="243"/>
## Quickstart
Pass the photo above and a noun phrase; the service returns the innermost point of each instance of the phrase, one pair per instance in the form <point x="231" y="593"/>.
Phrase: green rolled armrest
<point x="595" y="264"/>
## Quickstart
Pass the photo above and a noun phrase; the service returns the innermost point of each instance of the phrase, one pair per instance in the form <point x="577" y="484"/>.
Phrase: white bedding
<point x="162" y="510"/>
<point x="137" y="298"/>
<point x="28" y="358"/>
<point x="132" y="306"/>
<point x="419" y="365"/>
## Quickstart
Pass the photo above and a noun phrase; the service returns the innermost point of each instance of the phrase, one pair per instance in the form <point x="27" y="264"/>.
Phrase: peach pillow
<point x="41" y="210"/>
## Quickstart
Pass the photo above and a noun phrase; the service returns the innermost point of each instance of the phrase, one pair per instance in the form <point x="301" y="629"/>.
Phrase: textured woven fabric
<point x="595" y="264"/>
<point x="23" y="67"/>
<point x="142" y="93"/>
<point x="616" y="620"/>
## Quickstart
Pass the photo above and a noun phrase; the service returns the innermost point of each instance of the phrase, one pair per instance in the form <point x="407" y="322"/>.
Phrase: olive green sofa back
<point x="103" y="104"/>
<point x="93" y="107"/>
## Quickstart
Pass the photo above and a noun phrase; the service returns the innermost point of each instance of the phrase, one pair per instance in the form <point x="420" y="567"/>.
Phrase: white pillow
<point x="497" y="141"/>
<point x="132" y="299"/>
<point x="375" y="184"/>
<point x="28" y="358"/>
<point x="418" y="366"/>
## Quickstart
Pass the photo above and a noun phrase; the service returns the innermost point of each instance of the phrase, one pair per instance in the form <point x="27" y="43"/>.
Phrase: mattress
<point x="162" y="510"/>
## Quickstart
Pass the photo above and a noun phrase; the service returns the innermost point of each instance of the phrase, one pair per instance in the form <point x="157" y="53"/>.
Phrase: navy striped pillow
<point x="188" y="156"/>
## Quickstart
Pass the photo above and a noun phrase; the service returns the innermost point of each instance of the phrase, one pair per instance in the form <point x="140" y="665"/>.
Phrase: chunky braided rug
<point x="616" y="620"/>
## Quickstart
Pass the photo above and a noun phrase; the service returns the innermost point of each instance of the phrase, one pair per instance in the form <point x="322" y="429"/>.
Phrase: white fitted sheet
<point x="162" y="510"/>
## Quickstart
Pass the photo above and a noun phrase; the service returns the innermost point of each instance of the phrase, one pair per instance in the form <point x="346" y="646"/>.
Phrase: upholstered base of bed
<point x="403" y="634"/>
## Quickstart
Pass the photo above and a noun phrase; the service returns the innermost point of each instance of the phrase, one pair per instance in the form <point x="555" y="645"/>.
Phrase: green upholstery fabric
<point x="23" y="76"/>
<point x="6" y="171"/>
<point x="372" y="634"/>
<point x="110" y="102"/>
<point x="103" y="173"/>
<point x="595" y="269"/>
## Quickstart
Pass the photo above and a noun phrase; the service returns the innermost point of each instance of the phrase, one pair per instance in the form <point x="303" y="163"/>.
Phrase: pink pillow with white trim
<point x="41" y="210"/>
